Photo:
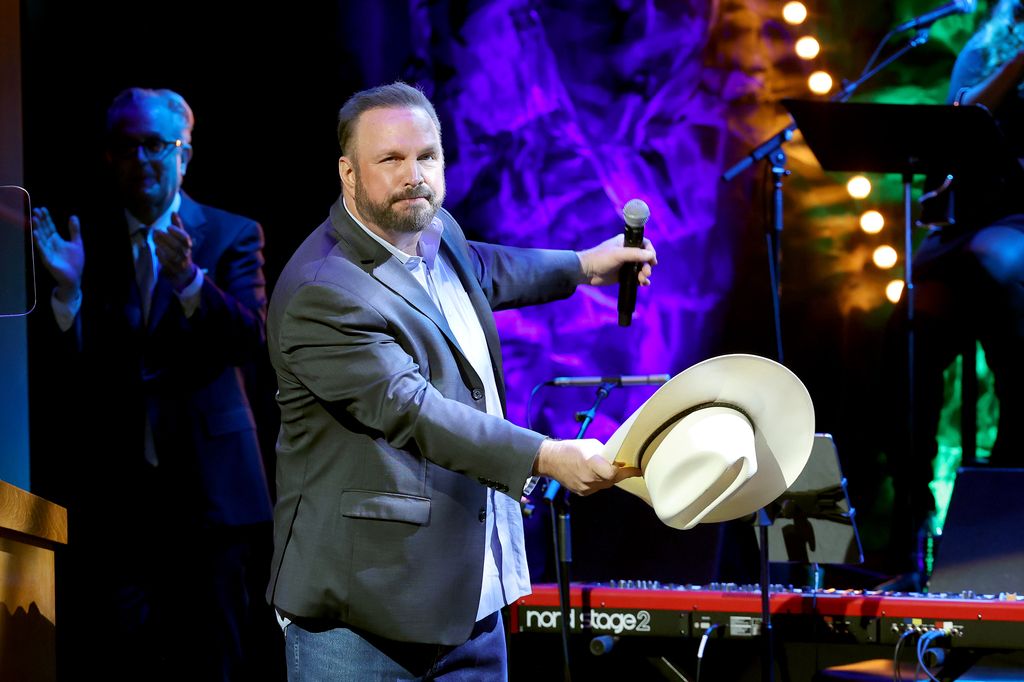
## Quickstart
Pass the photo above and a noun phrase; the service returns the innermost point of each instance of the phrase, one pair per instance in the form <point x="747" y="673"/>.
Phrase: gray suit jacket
<point x="385" y="446"/>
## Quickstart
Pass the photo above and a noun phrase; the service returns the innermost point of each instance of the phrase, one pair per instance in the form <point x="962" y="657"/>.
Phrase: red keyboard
<point x="650" y="609"/>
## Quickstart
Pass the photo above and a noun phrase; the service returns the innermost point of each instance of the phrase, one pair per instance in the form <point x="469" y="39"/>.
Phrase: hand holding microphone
<point x="626" y="259"/>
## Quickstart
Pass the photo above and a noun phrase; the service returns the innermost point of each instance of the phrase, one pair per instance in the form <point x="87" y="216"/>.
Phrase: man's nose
<point x="413" y="173"/>
<point x="139" y="155"/>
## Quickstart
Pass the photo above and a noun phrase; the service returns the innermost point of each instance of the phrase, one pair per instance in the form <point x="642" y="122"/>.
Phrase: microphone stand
<point x="561" y="532"/>
<point x="772" y="147"/>
<point x="764" y="520"/>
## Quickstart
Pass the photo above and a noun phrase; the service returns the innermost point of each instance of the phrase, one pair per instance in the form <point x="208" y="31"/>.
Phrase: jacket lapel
<point x="389" y="271"/>
<point x="458" y="258"/>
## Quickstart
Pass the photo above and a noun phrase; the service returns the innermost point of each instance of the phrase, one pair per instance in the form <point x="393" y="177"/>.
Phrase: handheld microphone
<point x="624" y="380"/>
<point x="636" y="214"/>
<point x="929" y="18"/>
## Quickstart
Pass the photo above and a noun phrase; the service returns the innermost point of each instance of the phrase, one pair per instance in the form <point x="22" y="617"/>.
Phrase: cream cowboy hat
<point x="718" y="441"/>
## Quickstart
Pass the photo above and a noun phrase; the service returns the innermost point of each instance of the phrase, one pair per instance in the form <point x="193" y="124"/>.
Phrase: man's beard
<point x="385" y="216"/>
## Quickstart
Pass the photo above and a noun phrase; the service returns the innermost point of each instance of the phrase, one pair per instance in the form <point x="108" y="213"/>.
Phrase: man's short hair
<point x="395" y="95"/>
<point x="133" y="98"/>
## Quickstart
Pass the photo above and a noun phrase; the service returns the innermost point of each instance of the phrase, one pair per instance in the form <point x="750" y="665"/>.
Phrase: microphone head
<point x="636" y="212"/>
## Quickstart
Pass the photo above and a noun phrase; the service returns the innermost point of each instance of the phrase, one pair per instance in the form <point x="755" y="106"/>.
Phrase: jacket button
<point x="483" y="515"/>
<point x="477" y="394"/>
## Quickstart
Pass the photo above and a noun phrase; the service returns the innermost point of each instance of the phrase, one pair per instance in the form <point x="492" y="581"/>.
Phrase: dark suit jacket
<point x="184" y="371"/>
<point x="385" y="447"/>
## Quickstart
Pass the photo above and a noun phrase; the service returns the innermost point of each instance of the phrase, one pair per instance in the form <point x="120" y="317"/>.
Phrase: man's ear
<point x="186" y="158"/>
<point x="347" y="173"/>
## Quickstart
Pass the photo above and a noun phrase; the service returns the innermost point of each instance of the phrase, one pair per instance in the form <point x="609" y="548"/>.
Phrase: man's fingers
<point x="42" y="223"/>
<point x="74" y="229"/>
<point x="633" y="254"/>
<point x="46" y="230"/>
<point x="602" y="467"/>
<point x="606" y="479"/>
<point x="650" y="247"/>
<point x="622" y="473"/>
<point x="172" y="238"/>
<point x="174" y="248"/>
<point x="644" y="275"/>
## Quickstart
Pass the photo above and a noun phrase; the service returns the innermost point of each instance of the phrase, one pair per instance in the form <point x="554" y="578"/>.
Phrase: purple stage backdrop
<point x="555" y="115"/>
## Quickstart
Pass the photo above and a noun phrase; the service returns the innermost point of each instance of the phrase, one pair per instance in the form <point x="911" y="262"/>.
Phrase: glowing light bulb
<point x="893" y="290"/>
<point x="819" y="82"/>
<point x="859" y="187"/>
<point x="807" y="48"/>
<point x="872" y="222"/>
<point x="885" y="257"/>
<point x="794" y="12"/>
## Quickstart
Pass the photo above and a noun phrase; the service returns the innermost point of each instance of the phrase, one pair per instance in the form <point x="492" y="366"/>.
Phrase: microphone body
<point x="624" y="380"/>
<point x="929" y="18"/>
<point x="636" y="214"/>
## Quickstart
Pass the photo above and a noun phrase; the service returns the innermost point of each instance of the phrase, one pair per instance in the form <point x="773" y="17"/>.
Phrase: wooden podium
<point x="30" y="530"/>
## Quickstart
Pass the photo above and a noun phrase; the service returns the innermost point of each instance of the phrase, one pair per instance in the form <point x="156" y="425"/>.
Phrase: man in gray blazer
<point x="398" y="534"/>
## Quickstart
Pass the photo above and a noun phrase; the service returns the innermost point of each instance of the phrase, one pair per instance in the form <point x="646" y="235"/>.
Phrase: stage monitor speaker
<point x="982" y="545"/>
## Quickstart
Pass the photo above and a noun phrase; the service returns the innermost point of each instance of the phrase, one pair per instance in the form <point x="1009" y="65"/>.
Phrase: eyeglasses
<point x="153" y="148"/>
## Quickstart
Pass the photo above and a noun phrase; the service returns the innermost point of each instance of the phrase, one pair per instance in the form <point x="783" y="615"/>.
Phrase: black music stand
<point x="813" y="520"/>
<point x="909" y="139"/>
<point x="901" y="138"/>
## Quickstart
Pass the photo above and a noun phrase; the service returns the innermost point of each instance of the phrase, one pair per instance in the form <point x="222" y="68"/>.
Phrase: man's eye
<point x="154" y="145"/>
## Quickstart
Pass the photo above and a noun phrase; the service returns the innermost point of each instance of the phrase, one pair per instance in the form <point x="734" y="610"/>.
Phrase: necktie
<point x="145" y="275"/>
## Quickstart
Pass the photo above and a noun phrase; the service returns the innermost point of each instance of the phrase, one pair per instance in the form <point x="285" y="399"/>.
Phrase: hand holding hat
<point x="580" y="465"/>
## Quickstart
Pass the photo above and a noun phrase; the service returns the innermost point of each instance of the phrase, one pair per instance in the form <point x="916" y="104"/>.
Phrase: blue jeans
<point x="319" y="652"/>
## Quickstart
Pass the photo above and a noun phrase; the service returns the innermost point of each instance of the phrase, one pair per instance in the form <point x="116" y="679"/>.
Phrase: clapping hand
<point x="63" y="258"/>
<point x="174" y="250"/>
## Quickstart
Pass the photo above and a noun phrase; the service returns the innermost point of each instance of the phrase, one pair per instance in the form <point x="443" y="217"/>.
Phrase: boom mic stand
<point x="772" y="148"/>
